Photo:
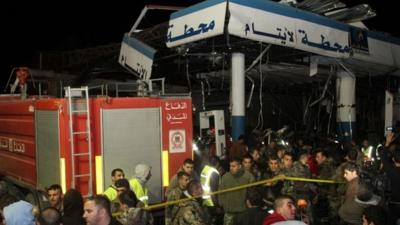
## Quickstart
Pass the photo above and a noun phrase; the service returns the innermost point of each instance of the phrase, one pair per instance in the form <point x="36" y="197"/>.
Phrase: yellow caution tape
<point x="116" y="214"/>
<point x="277" y="178"/>
<point x="312" y="180"/>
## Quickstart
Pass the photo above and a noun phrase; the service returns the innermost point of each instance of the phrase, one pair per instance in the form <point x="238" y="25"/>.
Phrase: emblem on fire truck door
<point x="177" y="141"/>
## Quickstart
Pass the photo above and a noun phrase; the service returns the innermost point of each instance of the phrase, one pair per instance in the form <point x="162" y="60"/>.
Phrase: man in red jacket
<point x="284" y="209"/>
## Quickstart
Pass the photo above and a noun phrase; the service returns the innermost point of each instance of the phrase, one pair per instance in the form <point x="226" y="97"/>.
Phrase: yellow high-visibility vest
<point x="111" y="193"/>
<point x="367" y="151"/>
<point x="140" y="192"/>
<point x="205" y="179"/>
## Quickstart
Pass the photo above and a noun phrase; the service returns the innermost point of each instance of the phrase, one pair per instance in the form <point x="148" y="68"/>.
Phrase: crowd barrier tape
<point x="277" y="178"/>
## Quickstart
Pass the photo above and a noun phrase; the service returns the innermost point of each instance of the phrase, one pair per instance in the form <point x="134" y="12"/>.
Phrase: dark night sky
<point x="29" y="28"/>
<point x="63" y="26"/>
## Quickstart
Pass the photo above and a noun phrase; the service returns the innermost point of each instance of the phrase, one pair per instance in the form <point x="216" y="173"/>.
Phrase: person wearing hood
<point x="365" y="195"/>
<point x="73" y="208"/>
<point x="19" y="213"/>
<point x="138" y="182"/>
<point x="234" y="202"/>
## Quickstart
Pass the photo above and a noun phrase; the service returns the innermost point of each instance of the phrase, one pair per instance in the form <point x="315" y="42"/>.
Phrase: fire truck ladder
<point x="74" y="94"/>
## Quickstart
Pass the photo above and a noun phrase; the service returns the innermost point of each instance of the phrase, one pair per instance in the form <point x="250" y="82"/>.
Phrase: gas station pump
<point x="212" y="125"/>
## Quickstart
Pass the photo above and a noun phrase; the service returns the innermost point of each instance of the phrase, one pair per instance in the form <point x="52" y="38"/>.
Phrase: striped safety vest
<point x="205" y="179"/>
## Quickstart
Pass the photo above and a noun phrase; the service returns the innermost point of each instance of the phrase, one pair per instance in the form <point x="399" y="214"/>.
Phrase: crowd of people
<point x="365" y="190"/>
<point x="361" y="187"/>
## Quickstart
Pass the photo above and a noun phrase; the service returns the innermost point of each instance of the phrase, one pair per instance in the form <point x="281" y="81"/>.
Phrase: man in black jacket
<point x="254" y="215"/>
<point x="391" y="165"/>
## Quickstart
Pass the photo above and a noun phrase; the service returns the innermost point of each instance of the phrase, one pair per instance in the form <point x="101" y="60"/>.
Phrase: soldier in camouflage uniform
<point x="326" y="202"/>
<point x="272" y="190"/>
<point x="192" y="211"/>
<point x="300" y="169"/>
<point x="326" y="171"/>
<point x="303" y="191"/>
<point x="249" y="166"/>
<point x="132" y="211"/>
<point x="288" y="171"/>
<point x="188" y="167"/>
<point x="259" y="164"/>
<point x="176" y="194"/>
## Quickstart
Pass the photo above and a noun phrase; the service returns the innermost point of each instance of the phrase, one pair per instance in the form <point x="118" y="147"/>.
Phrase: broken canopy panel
<point x="274" y="23"/>
<point x="136" y="56"/>
<point x="197" y="22"/>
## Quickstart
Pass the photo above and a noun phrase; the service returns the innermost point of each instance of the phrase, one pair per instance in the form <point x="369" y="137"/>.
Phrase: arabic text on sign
<point x="176" y="117"/>
<point x="190" y="31"/>
<point x="175" y="105"/>
<point x="12" y="145"/>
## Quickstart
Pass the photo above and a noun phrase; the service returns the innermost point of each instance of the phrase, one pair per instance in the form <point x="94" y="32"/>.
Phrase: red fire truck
<point x="78" y="140"/>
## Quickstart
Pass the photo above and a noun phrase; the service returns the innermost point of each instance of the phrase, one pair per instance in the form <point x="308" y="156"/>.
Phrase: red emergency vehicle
<point x="78" y="140"/>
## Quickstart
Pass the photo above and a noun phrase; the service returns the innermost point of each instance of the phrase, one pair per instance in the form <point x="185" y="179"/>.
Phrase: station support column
<point x="238" y="95"/>
<point x="346" y="108"/>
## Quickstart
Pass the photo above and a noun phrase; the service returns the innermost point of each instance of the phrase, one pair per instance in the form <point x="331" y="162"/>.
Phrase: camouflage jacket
<point x="172" y="210"/>
<point x="272" y="189"/>
<point x="326" y="172"/>
<point x="135" y="216"/>
<point x="288" y="186"/>
<point x="301" y="189"/>
<point x="190" y="212"/>
<point x="173" y="183"/>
